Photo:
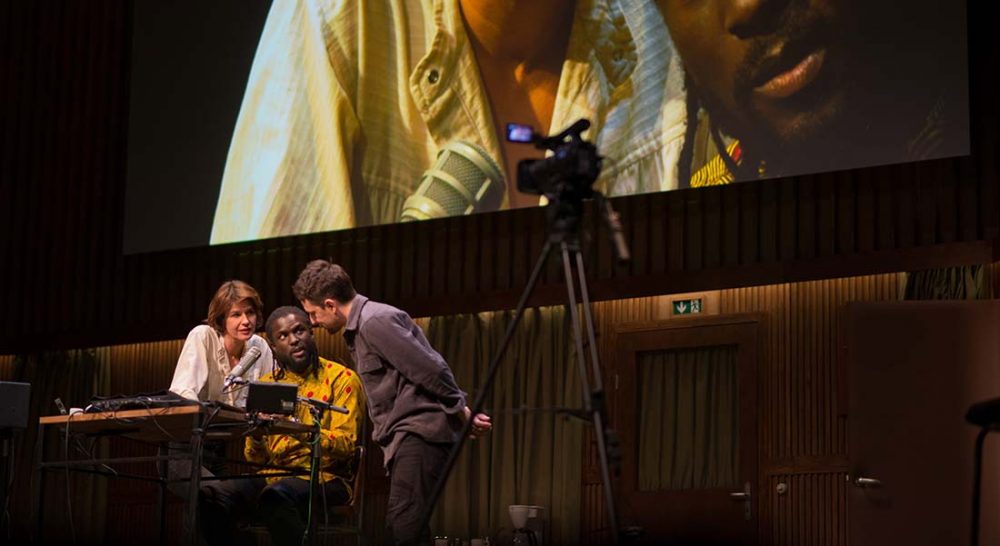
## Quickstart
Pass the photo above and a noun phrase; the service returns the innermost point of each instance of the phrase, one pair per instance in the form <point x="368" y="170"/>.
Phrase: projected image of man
<point x="349" y="104"/>
<point x="797" y="86"/>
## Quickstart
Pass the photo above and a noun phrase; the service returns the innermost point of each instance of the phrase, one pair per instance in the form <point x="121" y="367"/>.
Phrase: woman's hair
<point x="230" y="293"/>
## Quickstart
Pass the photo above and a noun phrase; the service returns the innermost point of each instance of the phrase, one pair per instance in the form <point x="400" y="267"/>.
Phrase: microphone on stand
<point x="323" y="405"/>
<point x="463" y="179"/>
<point x="247" y="362"/>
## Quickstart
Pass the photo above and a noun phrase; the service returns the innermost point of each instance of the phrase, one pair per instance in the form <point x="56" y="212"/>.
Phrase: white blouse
<point x="203" y="366"/>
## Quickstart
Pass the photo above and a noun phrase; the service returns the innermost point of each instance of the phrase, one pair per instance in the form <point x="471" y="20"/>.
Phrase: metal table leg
<point x="39" y="488"/>
<point x="194" y="484"/>
<point x="161" y="498"/>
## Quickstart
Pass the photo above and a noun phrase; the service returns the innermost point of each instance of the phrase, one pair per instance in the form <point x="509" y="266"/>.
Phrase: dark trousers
<point x="282" y="507"/>
<point x="415" y="468"/>
<point x="181" y="468"/>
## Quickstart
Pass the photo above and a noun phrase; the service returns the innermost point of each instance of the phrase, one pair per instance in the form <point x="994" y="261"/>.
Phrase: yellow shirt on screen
<point x="348" y="103"/>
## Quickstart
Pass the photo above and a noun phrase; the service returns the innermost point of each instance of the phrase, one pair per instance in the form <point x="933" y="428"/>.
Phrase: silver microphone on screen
<point x="464" y="179"/>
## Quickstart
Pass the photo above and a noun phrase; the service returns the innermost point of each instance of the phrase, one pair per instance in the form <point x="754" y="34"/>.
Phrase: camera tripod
<point x="563" y="214"/>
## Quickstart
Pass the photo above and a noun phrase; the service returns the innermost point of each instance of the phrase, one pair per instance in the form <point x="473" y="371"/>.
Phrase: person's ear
<point x="330" y="303"/>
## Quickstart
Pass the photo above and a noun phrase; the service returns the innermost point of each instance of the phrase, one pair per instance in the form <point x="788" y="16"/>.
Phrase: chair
<point x="348" y="517"/>
<point x="336" y="520"/>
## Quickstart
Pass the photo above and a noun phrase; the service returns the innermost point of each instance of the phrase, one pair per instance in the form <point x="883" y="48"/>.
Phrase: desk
<point x="194" y="424"/>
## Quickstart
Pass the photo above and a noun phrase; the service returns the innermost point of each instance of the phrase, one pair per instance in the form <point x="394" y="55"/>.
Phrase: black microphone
<point x="323" y="405"/>
<point x="247" y="362"/>
<point x="463" y="179"/>
<point x="985" y="413"/>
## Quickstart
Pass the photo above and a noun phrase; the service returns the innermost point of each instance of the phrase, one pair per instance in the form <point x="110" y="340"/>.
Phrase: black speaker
<point x="14" y="398"/>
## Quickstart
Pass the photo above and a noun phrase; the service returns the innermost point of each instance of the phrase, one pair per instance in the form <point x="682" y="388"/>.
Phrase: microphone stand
<point x="563" y="216"/>
<point x="316" y="409"/>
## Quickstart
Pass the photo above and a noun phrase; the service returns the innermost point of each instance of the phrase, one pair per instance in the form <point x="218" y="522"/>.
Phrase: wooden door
<point x="689" y="472"/>
<point x="913" y="369"/>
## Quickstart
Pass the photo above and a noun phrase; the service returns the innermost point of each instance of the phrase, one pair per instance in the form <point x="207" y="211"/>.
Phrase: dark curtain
<point x="534" y="454"/>
<point x="949" y="283"/>
<point x="73" y="508"/>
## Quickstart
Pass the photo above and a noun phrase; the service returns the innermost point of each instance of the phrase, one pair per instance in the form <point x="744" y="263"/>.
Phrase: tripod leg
<point x="477" y="404"/>
<point x="577" y="334"/>
<point x="593" y="399"/>
<point x="589" y="323"/>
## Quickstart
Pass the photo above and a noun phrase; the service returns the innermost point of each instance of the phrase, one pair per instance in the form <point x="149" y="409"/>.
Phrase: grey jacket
<point x="410" y="387"/>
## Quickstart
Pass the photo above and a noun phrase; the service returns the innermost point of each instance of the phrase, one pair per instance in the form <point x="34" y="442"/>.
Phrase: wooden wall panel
<point x="138" y="368"/>
<point x="812" y="512"/>
<point x="593" y="515"/>
<point x="7" y="368"/>
<point x="799" y="402"/>
<point x="802" y="431"/>
<point x="62" y="165"/>
<point x="802" y="427"/>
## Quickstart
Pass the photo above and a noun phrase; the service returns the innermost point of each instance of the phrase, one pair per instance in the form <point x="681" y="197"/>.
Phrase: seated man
<point x="281" y="503"/>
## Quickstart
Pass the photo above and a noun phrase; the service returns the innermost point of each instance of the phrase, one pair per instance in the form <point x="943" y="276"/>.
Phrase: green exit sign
<point x="687" y="307"/>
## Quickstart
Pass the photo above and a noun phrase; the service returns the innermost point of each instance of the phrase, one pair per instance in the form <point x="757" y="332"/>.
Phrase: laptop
<point x="269" y="397"/>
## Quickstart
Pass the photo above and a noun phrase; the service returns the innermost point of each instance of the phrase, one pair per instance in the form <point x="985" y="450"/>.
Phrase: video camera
<point x="569" y="173"/>
<point x="566" y="178"/>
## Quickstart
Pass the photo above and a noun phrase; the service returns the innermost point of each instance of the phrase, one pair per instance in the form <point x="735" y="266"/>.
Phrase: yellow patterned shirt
<point x="715" y="172"/>
<point x="332" y="383"/>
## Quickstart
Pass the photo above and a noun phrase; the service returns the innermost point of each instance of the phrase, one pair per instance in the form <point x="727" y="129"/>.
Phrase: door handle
<point x="867" y="483"/>
<point x="744" y="497"/>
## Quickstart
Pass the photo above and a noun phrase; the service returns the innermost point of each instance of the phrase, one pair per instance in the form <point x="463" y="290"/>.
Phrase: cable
<point x="326" y="507"/>
<point x="69" y="499"/>
<point x="90" y="452"/>
<point x="11" y="480"/>
<point x="312" y="472"/>
<point x="157" y="423"/>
